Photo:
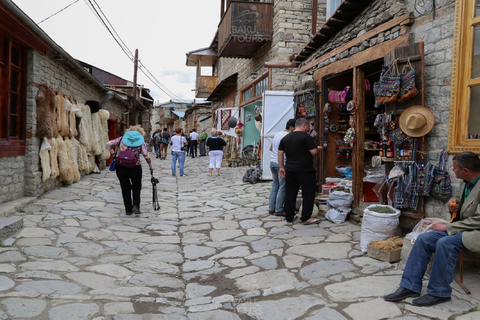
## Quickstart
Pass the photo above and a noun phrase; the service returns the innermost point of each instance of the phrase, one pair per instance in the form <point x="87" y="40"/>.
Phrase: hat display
<point x="133" y="139"/>
<point x="416" y="121"/>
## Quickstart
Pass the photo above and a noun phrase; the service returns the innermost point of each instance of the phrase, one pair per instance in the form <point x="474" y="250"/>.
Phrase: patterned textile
<point x="420" y="178"/>
<point x="406" y="152"/>
<point x="387" y="88"/>
<point x="441" y="186"/>
<point x="339" y="96"/>
<point x="407" y="83"/>
<point x="403" y="199"/>
<point x="225" y="116"/>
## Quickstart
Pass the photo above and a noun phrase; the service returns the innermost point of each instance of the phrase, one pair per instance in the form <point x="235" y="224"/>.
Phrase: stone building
<point x="124" y="88"/>
<point x="29" y="59"/>
<point x="360" y="37"/>
<point x="199" y="116"/>
<point x="253" y="39"/>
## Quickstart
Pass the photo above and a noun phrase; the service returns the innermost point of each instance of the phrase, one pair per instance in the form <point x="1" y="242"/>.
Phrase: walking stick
<point x="156" y="205"/>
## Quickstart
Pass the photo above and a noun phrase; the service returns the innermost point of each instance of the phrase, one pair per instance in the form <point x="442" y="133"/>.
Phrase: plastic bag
<point x="378" y="226"/>
<point x="340" y="199"/>
<point x="423" y="226"/>
<point x="337" y="215"/>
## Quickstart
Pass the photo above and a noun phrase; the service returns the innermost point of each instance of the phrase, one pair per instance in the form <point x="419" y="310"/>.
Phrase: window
<point x="254" y="90"/>
<point x="332" y="5"/>
<point x="464" y="133"/>
<point x="12" y="98"/>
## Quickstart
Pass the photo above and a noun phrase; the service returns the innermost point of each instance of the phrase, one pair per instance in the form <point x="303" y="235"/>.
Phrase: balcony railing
<point x="205" y="86"/>
<point x="245" y="27"/>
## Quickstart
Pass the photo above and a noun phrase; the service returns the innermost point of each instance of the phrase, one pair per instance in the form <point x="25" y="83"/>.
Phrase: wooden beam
<point x="275" y="64"/>
<point x="371" y="54"/>
<point x="381" y="28"/>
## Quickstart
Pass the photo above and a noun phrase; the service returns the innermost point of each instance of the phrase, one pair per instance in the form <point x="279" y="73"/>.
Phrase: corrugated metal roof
<point x="181" y="114"/>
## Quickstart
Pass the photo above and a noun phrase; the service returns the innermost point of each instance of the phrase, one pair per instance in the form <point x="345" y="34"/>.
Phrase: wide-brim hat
<point x="133" y="139"/>
<point x="416" y="121"/>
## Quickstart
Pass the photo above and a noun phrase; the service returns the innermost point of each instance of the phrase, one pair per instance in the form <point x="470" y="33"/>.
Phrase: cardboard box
<point x="389" y="256"/>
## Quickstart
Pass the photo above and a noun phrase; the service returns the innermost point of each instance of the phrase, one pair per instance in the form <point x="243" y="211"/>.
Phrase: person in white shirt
<point x="194" y="143"/>
<point x="277" y="194"/>
<point x="179" y="145"/>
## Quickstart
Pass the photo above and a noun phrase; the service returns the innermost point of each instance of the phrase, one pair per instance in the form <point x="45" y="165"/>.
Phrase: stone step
<point x="10" y="208"/>
<point x="9" y="225"/>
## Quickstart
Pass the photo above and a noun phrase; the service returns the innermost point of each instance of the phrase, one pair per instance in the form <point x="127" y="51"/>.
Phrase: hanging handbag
<point x="407" y="83"/>
<point x="442" y="186"/>
<point x="112" y="164"/>
<point x="340" y="96"/>
<point x="387" y="88"/>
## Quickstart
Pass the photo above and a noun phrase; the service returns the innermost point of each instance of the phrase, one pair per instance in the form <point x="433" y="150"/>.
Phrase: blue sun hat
<point x="133" y="139"/>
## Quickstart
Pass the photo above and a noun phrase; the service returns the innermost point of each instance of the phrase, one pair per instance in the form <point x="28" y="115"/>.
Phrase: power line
<point x="58" y="12"/>
<point x="127" y="51"/>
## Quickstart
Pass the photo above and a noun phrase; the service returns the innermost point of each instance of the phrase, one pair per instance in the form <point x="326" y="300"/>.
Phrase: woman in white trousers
<point x="215" y="154"/>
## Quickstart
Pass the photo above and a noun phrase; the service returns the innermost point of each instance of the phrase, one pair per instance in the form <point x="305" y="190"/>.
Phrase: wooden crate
<point x="389" y="256"/>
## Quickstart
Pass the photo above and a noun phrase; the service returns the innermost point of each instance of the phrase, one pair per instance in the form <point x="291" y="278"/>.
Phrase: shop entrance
<point x="364" y="161"/>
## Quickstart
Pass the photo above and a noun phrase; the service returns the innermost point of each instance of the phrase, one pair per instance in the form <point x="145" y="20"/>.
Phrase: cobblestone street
<point x="211" y="252"/>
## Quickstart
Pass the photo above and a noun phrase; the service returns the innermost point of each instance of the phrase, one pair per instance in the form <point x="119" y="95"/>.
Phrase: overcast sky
<point x="162" y="31"/>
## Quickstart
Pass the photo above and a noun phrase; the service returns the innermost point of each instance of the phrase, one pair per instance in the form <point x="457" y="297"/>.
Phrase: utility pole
<point x="134" y="91"/>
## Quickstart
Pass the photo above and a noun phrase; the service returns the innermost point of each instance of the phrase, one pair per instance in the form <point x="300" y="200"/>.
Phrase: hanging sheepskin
<point x="62" y="115"/>
<point x="66" y="172"/>
<point x="91" y="162"/>
<point x="44" y="114"/>
<point x="53" y="158"/>
<point x="96" y="136"/>
<point x="104" y="115"/>
<point x="72" y="160"/>
<point x="45" y="159"/>
<point x="85" y="127"/>
<point x="72" y="121"/>
<point x="82" y="158"/>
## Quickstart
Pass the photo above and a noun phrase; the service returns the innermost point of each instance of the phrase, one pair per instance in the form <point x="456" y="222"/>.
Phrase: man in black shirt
<point x="299" y="149"/>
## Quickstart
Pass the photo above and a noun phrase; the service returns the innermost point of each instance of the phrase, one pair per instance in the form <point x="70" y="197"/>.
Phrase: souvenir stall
<point x="373" y="122"/>
<point x="73" y="135"/>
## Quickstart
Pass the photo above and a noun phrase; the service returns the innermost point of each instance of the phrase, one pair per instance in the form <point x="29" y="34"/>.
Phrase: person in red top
<point x="131" y="178"/>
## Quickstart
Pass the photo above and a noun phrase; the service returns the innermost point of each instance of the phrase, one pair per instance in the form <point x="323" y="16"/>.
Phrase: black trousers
<point x="131" y="184"/>
<point x="193" y="148"/>
<point x="293" y="181"/>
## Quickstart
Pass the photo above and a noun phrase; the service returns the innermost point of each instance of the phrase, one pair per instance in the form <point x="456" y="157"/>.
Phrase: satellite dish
<point x="232" y="122"/>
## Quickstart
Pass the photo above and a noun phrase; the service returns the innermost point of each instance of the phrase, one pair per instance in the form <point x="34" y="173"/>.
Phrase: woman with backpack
<point x="128" y="165"/>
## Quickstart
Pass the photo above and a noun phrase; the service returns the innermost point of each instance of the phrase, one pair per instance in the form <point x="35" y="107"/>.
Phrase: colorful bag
<point x="127" y="158"/>
<point x="340" y="96"/>
<point x="112" y="165"/>
<point x="442" y="186"/>
<point x="387" y="88"/>
<point x="407" y="83"/>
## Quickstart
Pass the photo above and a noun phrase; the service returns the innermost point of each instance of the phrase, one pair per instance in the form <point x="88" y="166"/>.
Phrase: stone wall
<point x="438" y="38"/>
<point x="380" y="11"/>
<point x="21" y="175"/>
<point x="292" y="21"/>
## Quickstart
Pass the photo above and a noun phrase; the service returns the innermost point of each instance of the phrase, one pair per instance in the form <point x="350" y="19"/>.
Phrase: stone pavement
<point x="212" y="252"/>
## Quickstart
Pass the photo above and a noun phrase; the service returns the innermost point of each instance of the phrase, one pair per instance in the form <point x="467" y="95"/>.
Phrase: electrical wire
<point x="58" y="12"/>
<point x="102" y="17"/>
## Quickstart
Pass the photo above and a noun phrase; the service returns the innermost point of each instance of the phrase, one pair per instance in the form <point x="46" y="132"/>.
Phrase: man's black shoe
<point x="429" y="300"/>
<point x="401" y="294"/>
